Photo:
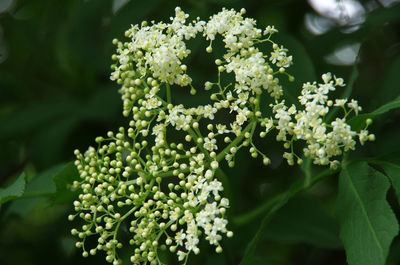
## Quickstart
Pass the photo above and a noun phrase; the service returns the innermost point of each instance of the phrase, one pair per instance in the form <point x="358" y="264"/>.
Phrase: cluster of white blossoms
<point x="323" y="140"/>
<point x="160" y="178"/>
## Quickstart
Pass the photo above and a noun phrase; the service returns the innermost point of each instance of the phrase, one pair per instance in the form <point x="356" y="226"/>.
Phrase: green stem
<point x="219" y="157"/>
<point x="236" y="141"/>
<point x="130" y="212"/>
<point x="307" y="172"/>
<point x="168" y="93"/>
<point x="199" y="145"/>
<point x="134" y="208"/>
<point x="296" y="188"/>
<point x="166" y="226"/>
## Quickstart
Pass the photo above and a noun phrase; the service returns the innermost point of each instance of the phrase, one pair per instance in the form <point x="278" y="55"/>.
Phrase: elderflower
<point x="159" y="176"/>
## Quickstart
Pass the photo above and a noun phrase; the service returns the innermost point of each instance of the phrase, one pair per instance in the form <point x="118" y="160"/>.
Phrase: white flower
<point x="221" y="129"/>
<point x="215" y="186"/>
<point x="353" y="104"/>
<point x="327" y="77"/>
<point x="224" y="202"/>
<point x="153" y="103"/>
<point x="241" y="117"/>
<point x="363" y="136"/>
<point x="179" y="237"/>
<point x="210" y="144"/>
<point x="181" y="255"/>
<point x="178" y="119"/>
<point x="209" y="112"/>
<point x="270" y="30"/>
<point x="242" y="98"/>
<point x="340" y="102"/>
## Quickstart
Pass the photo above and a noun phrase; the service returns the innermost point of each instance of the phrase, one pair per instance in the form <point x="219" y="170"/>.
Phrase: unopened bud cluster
<point x="167" y="192"/>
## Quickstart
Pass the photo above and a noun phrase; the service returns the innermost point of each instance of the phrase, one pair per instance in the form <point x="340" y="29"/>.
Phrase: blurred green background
<point x="56" y="96"/>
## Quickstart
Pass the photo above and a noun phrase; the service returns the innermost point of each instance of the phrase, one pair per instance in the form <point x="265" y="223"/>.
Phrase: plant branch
<point x="295" y="188"/>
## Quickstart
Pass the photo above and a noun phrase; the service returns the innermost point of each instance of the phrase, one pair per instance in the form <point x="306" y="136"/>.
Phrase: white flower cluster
<point x="159" y="49"/>
<point x="119" y="187"/>
<point x="323" y="140"/>
<point x="160" y="177"/>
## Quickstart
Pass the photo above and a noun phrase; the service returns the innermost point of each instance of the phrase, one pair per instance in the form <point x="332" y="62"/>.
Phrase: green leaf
<point x="68" y="246"/>
<point x="262" y="260"/>
<point x="391" y="165"/>
<point x="393" y="172"/>
<point x="389" y="83"/>
<point x="267" y="205"/>
<point x="36" y="116"/>
<point x="251" y="247"/>
<point x="49" y="187"/>
<point x="24" y="205"/>
<point x="270" y="207"/>
<point x="49" y="145"/>
<point x="213" y="259"/>
<point x="367" y="223"/>
<point x="388" y="106"/>
<point x="304" y="220"/>
<point x="42" y="185"/>
<point x="85" y="38"/>
<point x="63" y="179"/>
<point x="51" y="184"/>
<point x="13" y="191"/>
<point x="358" y="122"/>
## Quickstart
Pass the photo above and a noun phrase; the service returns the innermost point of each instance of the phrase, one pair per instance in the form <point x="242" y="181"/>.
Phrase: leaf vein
<point x="364" y="211"/>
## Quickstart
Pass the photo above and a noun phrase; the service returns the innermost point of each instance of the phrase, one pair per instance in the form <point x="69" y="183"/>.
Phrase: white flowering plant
<point x="158" y="190"/>
<point x="171" y="194"/>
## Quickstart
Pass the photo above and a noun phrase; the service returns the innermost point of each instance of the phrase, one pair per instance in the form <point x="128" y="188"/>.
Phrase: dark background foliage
<point x="56" y="96"/>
